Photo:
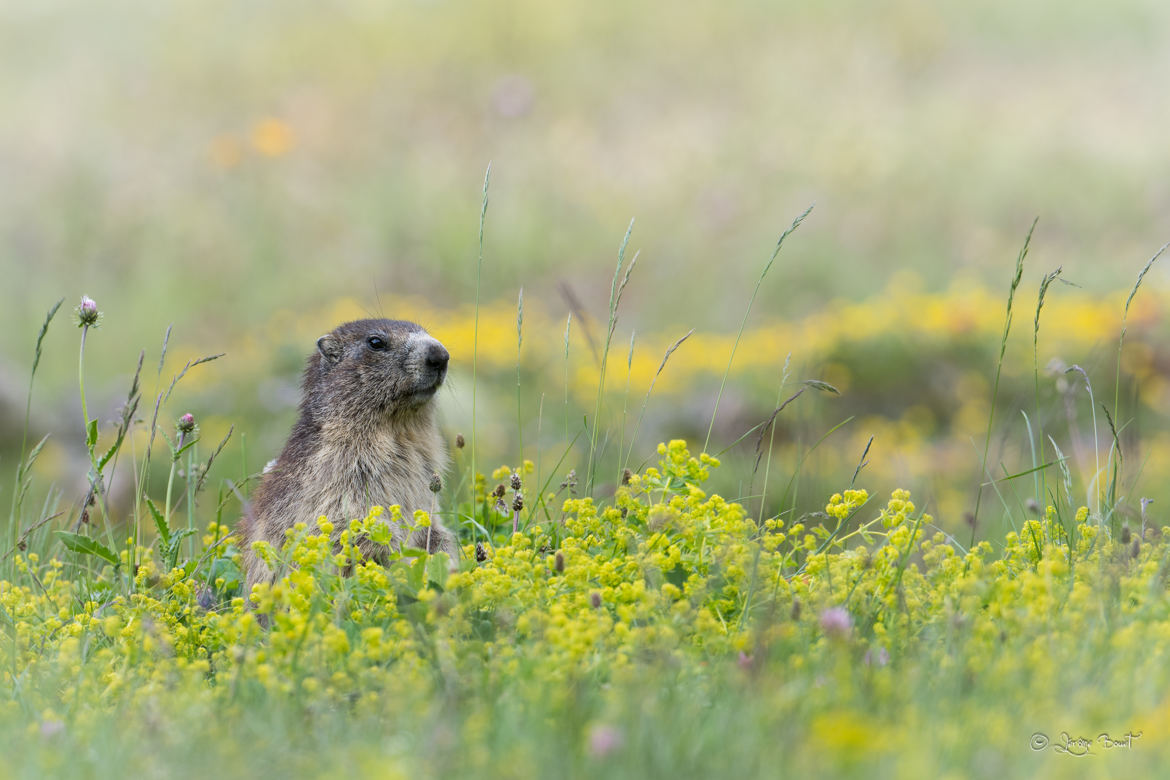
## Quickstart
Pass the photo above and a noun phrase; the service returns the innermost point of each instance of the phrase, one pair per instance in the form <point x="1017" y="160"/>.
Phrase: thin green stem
<point x="96" y="482"/>
<point x="1116" y="460"/>
<point x="649" y="390"/>
<point x="771" y="441"/>
<point x="519" y="404"/>
<point x="1124" y="320"/>
<point x="615" y="292"/>
<point x="171" y="481"/>
<point x="1007" y="327"/>
<point x="487" y="177"/>
<point x="568" y="324"/>
<point x="1039" y="479"/>
<point x="767" y="266"/>
<point x="17" y="507"/>
<point x="626" y="398"/>
<point x="191" y="480"/>
<point x="81" y="386"/>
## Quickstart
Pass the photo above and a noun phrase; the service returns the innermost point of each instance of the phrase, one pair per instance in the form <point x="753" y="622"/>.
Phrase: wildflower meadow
<point x="807" y="411"/>
<point x="611" y="613"/>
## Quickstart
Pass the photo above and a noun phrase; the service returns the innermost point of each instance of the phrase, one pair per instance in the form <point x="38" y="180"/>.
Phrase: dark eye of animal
<point x="376" y="342"/>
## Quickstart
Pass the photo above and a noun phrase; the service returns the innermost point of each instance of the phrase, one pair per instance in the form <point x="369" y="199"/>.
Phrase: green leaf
<point x="417" y="574"/>
<point x="113" y="450"/>
<point x="228" y="570"/>
<point x="87" y="546"/>
<point x="438" y="569"/>
<point x="171" y="554"/>
<point x="164" y="533"/>
<point x="91" y="433"/>
<point x="185" y="447"/>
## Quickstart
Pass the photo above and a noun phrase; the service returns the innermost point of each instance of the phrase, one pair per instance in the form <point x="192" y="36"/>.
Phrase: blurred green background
<point x="250" y="172"/>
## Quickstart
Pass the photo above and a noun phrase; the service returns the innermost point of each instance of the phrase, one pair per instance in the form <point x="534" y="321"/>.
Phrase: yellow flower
<point x="272" y="137"/>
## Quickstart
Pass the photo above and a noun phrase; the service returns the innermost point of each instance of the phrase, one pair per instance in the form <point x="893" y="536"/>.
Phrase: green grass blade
<point x="743" y="324"/>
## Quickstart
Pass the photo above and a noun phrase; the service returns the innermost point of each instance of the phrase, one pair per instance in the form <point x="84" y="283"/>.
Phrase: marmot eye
<point x="376" y="342"/>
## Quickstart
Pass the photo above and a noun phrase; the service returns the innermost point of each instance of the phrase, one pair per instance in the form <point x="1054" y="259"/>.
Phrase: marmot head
<point x="384" y="366"/>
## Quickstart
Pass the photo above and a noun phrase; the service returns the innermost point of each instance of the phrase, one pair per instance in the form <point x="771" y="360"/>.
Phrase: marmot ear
<point x="329" y="348"/>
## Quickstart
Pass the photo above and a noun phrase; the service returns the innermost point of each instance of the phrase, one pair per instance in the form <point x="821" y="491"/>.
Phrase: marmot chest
<point x="378" y="473"/>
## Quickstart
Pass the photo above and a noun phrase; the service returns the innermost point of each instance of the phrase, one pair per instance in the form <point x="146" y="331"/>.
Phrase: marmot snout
<point x="366" y="436"/>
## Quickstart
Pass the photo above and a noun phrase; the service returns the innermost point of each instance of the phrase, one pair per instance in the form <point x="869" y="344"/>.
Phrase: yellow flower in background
<point x="272" y="138"/>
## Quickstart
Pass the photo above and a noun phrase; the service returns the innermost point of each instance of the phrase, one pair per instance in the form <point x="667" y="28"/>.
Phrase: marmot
<point x="366" y="436"/>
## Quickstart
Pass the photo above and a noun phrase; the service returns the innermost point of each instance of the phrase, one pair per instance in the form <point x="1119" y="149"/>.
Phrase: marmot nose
<point x="437" y="356"/>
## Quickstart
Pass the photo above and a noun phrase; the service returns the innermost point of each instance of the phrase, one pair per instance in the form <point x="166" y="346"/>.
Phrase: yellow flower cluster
<point x="1073" y="322"/>
<point x="827" y="632"/>
<point x="843" y="506"/>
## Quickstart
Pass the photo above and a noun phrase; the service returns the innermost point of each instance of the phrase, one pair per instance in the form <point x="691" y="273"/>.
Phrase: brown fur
<point x="366" y="436"/>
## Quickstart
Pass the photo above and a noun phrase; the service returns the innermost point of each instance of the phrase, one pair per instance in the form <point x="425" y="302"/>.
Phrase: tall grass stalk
<point x="192" y="479"/>
<point x="772" y="438"/>
<point x="111" y="456"/>
<point x="792" y="490"/>
<point x="141" y="474"/>
<point x="487" y="177"/>
<point x="1115" y="462"/>
<point x="747" y="312"/>
<point x="1124" y="324"/>
<point x="862" y="462"/>
<point x="626" y="397"/>
<point x="519" y="346"/>
<point x="615" y="296"/>
<point x="1070" y="527"/>
<point x="1007" y="327"/>
<point x="171" y="479"/>
<point x="1038" y="489"/>
<point x="769" y="427"/>
<point x="18" y="487"/>
<point x="568" y="324"/>
<point x="1094" y="496"/>
<point x="532" y="505"/>
<point x="642" y="412"/>
<point x="97" y="487"/>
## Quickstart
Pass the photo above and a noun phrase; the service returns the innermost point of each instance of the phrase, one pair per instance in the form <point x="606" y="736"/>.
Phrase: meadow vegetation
<point x="836" y="512"/>
<point x="606" y="617"/>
